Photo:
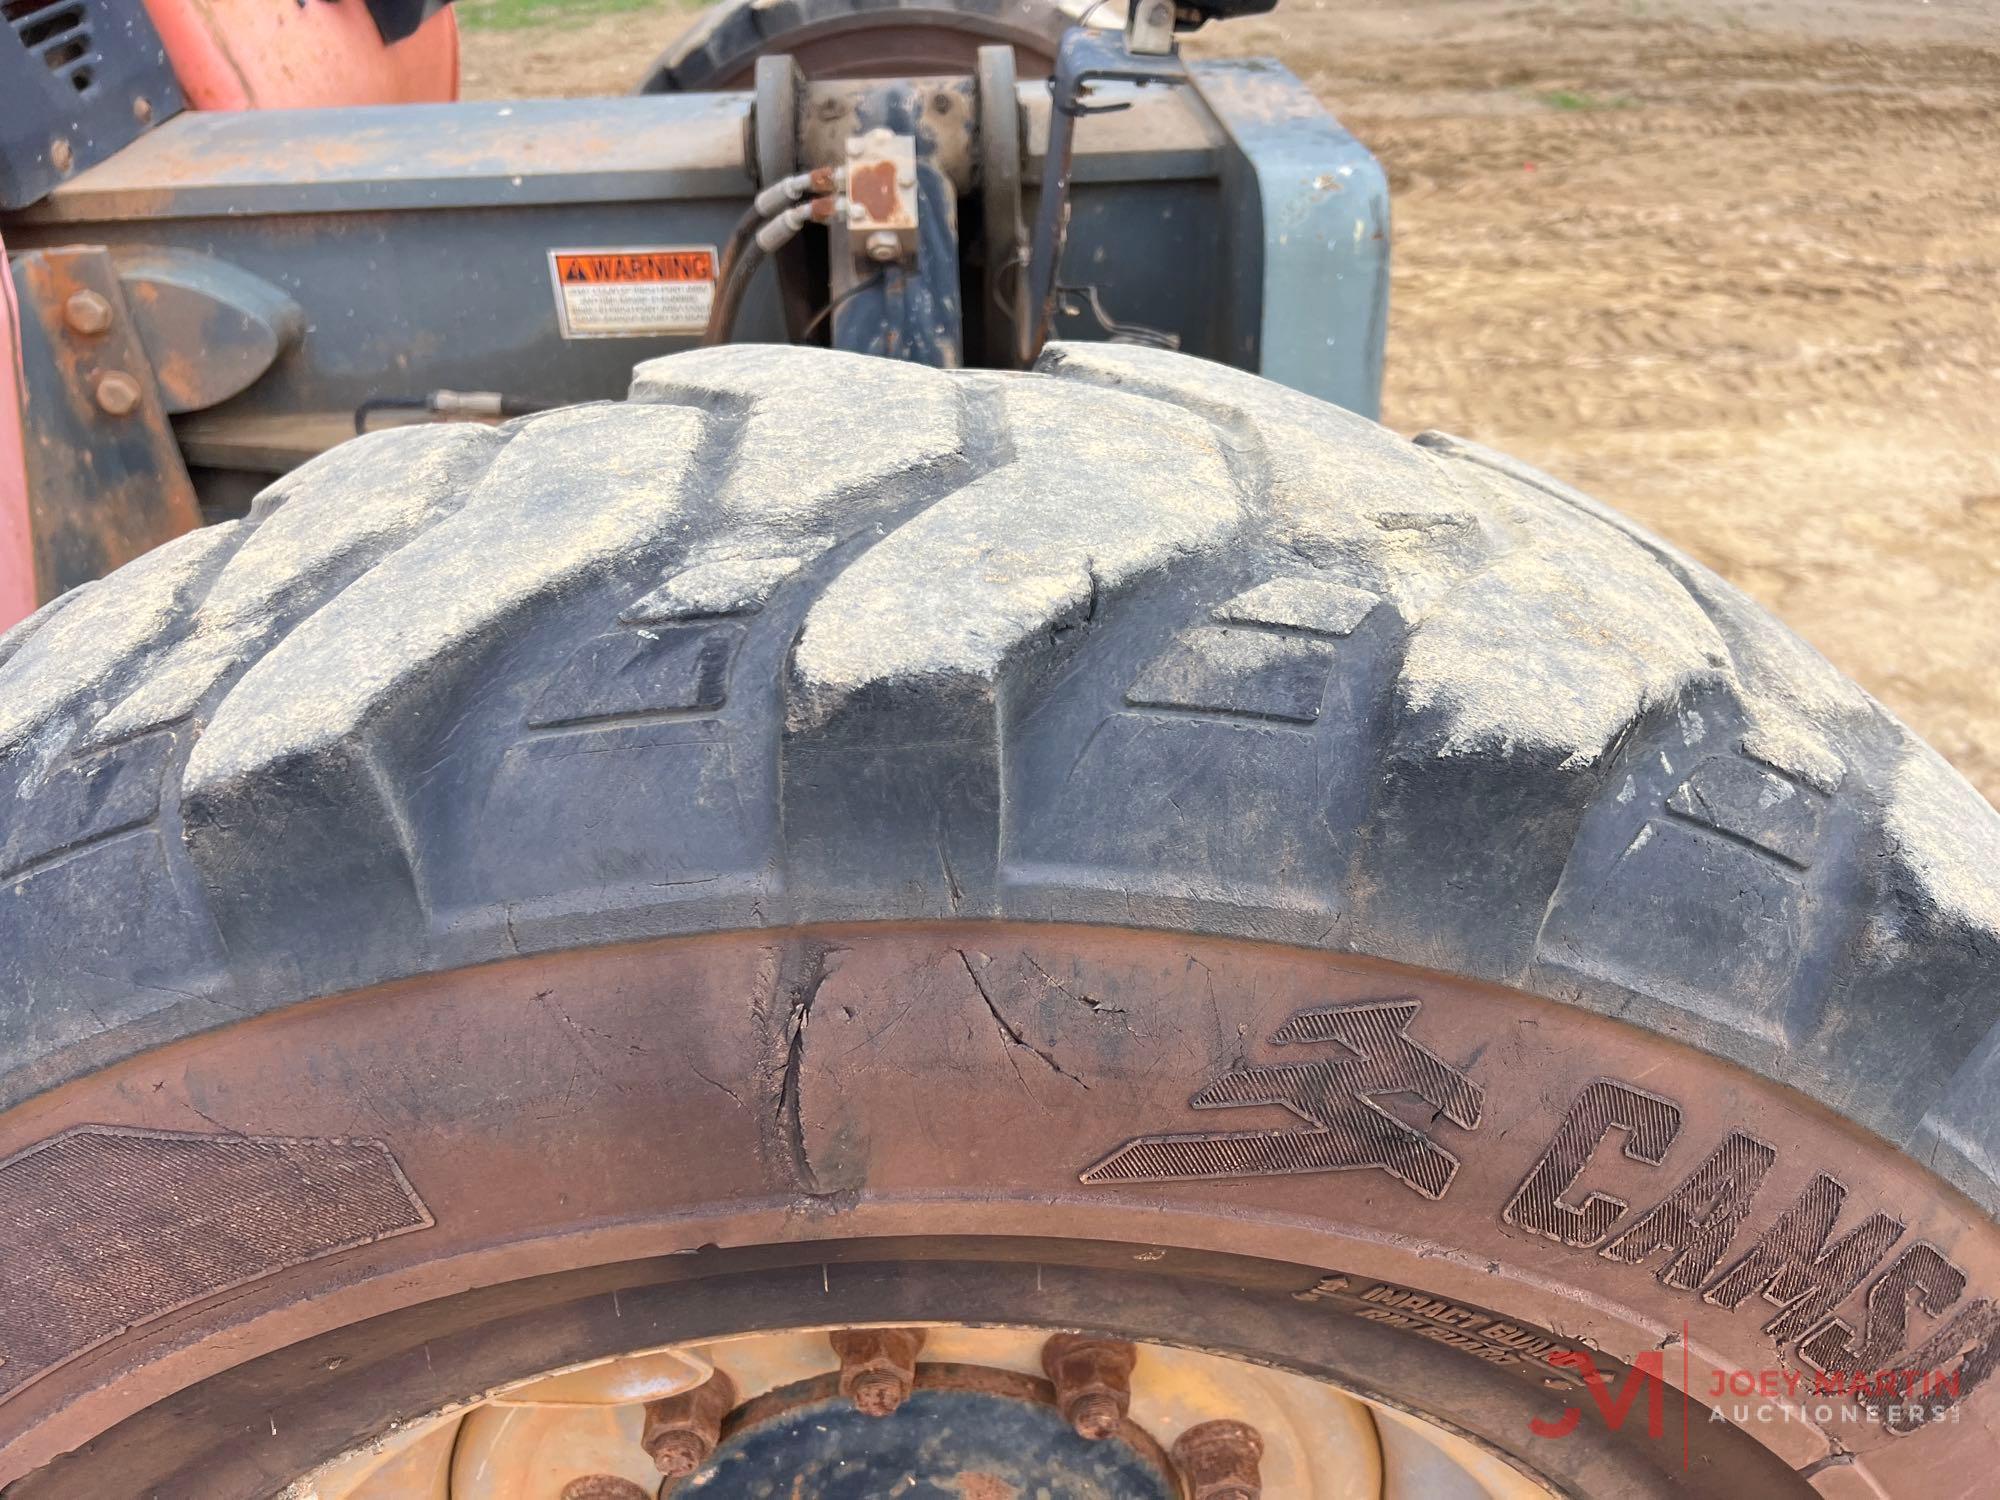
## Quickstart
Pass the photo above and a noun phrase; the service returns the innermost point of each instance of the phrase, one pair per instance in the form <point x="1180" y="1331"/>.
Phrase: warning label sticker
<point x="632" y="292"/>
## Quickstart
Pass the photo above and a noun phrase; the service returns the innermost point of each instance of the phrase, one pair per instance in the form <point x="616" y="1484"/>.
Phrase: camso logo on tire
<point x="1799" y="1266"/>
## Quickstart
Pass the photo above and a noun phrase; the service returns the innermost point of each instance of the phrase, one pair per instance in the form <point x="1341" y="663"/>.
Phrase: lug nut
<point x="603" y="1487"/>
<point x="878" y="1366"/>
<point x="1093" y="1381"/>
<point x="117" y="392"/>
<point x="681" y="1431"/>
<point x="1219" y="1461"/>
<point x="87" y="312"/>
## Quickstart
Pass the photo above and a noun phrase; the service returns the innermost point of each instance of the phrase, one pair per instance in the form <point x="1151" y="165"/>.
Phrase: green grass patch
<point x="523" y="15"/>
<point x="1576" y="99"/>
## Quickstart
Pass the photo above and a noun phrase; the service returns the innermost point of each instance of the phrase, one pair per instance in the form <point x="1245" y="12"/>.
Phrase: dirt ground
<point x="1733" y="268"/>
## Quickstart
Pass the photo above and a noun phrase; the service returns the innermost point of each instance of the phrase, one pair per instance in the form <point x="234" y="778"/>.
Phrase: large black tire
<point x="836" y="39"/>
<point x="1139" y="642"/>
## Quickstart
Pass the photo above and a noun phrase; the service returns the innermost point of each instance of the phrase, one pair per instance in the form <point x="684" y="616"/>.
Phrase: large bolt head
<point x="680" y="1432"/>
<point x="117" y="392"/>
<point x="1093" y="1381"/>
<point x="882" y="246"/>
<point x="87" y="312"/>
<point x="878" y="1366"/>
<point x="1220" y="1461"/>
<point x="879" y="1393"/>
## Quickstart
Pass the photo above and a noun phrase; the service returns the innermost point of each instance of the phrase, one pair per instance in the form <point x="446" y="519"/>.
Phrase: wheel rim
<point x="580" y="1434"/>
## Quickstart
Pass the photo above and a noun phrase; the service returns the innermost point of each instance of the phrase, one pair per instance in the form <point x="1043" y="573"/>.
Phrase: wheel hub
<point x="965" y="1432"/>
<point x="943" y="1412"/>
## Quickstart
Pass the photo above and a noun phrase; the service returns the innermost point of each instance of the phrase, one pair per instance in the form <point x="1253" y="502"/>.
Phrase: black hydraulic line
<point x="742" y="269"/>
<point x="739" y="237"/>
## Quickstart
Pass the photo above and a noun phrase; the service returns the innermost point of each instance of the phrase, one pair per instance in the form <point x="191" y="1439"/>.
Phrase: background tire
<point x="835" y="39"/>
<point x="984" y="766"/>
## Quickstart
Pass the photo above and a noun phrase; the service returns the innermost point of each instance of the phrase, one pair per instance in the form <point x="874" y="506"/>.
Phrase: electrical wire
<point x="841" y="301"/>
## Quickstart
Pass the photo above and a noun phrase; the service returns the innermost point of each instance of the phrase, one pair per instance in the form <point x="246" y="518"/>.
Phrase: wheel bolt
<point x="1093" y="1381"/>
<point x="1220" y="1461"/>
<point x="878" y="1366"/>
<point x="679" y="1454"/>
<point x="1095" y="1416"/>
<point x="681" y="1431"/>
<point x="877" y="1394"/>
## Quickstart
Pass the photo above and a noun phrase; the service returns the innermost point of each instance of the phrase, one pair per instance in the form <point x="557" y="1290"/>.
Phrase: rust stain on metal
<point x="974" y="1485"/>
<point x="106" y="481"/>
<point x="873" y="186"/>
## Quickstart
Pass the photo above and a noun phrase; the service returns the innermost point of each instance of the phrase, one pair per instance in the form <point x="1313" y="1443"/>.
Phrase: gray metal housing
<point x="1235" y="214"/>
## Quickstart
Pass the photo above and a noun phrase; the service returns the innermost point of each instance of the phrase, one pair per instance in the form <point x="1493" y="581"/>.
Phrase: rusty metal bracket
<point x="105" y="477"/>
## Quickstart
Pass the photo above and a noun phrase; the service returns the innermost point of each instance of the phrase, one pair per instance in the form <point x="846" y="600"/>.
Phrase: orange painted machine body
<point x="230" y="55"/>
<point x="274" y="54"/>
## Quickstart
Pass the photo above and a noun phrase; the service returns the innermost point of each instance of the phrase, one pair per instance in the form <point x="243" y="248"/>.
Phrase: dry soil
<point x="1733" y="268"/>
